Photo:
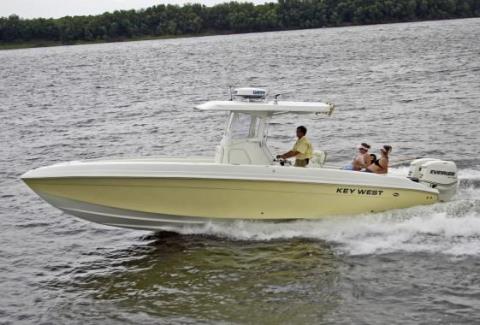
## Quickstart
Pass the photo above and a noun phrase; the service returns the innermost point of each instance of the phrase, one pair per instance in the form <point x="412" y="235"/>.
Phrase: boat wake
<point x="451" y="228"/>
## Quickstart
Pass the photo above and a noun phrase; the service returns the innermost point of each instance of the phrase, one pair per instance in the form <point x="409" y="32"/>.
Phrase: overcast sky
<point x="60" y="8"/>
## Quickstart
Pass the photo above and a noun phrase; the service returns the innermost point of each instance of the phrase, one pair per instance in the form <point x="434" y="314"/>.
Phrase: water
<point x="415" y="86"/>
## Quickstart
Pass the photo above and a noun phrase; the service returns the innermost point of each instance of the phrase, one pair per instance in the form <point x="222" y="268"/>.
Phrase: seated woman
<point x="371" y="159"/>
<point x="361" y="160"/>
<point x="380" y="166"/>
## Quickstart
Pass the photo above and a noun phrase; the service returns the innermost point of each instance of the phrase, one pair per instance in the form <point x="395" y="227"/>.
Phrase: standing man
<point x="302" y="150"/>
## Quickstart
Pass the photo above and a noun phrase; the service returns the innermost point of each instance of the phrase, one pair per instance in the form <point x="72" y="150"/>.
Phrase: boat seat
<point x="318" y="160"/>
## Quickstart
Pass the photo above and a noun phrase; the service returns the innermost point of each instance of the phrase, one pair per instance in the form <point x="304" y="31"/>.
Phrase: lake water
<point x="415" y="86"/>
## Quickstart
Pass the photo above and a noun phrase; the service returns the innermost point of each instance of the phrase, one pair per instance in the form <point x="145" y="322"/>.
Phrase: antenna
<point x="275" y="101"/>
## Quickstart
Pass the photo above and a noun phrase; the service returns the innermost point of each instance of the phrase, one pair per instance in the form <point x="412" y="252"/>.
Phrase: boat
<point x="241" y="182"/>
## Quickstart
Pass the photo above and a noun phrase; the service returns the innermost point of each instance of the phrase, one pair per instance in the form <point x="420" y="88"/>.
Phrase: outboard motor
<point x="436" y="173"/>
<point x="416" y="166"/>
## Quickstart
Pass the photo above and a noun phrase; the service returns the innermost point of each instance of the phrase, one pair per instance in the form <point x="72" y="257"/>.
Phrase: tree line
<point x="231" y="17"/>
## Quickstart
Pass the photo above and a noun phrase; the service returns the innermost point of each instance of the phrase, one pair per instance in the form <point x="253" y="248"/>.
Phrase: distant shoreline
<point x="46" y="43"/>
<point x="40" y="44"/>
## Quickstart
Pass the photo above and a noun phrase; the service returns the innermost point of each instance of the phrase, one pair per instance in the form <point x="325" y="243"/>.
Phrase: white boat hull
<point x="157" y="194"/>
<point x="123" y="218"/>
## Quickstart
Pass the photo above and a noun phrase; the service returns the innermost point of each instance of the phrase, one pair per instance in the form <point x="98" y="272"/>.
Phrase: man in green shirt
<point x="302" y="150"/>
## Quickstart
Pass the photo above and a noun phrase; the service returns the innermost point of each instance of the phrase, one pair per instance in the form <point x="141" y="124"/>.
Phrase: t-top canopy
<point x="269" y="108"/>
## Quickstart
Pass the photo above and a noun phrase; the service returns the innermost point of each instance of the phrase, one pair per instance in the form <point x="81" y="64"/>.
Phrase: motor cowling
<point x="435" y="173"/>
<point x="416" y="167"/>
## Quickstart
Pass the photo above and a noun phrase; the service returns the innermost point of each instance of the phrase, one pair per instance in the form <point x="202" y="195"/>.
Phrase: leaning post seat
<point x="318" y="160"/>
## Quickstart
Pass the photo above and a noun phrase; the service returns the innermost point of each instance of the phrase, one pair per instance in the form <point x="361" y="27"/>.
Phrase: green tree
<point x="229" y="17"/>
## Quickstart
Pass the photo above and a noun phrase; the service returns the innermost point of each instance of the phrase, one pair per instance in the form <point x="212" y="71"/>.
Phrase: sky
<point x="60" y="8"/>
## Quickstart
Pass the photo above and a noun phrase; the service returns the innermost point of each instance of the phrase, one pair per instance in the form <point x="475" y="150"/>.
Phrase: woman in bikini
<point x="380" y="166"/>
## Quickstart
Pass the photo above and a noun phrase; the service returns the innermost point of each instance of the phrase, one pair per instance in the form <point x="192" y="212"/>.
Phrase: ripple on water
<point x="414" y="86"/>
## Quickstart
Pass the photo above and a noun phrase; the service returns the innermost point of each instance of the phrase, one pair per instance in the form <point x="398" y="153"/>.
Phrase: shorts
<point x="348" y="167"/>
<point x="301" y="162"/>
